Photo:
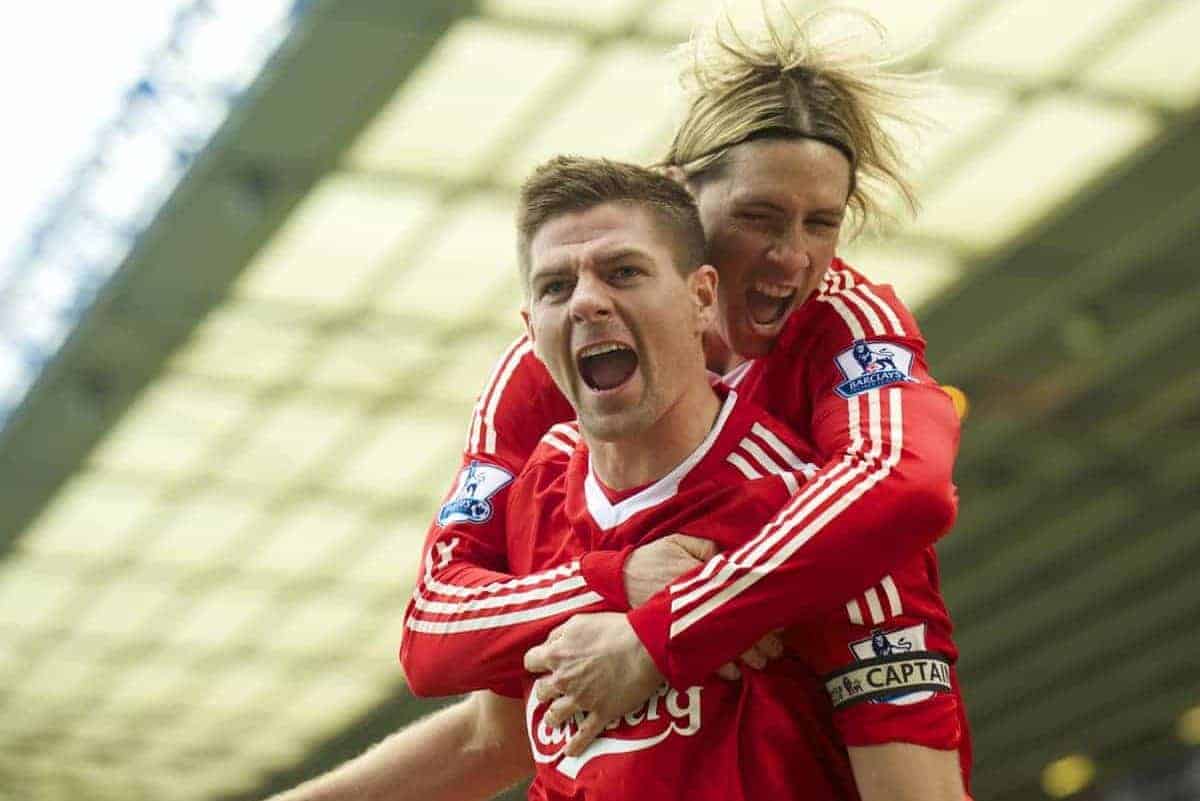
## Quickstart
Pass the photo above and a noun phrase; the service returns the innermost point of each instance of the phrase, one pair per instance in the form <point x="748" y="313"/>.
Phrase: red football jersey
<point x="777" y="733"/>
<point x="486" y="615"/>
<point x="847" y="374"/>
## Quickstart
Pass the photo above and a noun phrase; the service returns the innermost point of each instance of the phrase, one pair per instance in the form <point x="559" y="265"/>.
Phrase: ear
<point x="528" y="326"/>
<point x="703" y="286"/>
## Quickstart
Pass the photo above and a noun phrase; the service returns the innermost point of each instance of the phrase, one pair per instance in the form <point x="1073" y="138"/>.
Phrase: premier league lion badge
<point x="470" y="503"/>
<point x="871" y="365"/>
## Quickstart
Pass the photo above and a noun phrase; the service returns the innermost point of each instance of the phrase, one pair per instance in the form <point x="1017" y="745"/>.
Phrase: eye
<point x="626" y="272"/>
<point x="554" y="288"/>
<point x="761" y="219"/>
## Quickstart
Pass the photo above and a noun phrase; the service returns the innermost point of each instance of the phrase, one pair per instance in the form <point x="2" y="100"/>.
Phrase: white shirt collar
<point x="609" y="515"/>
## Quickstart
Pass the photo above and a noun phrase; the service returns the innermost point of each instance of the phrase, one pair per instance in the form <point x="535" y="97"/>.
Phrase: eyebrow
<point x="620" y="254"/>
<point x="605" y="257"/>
<point x="835" y="212"/>
<point x="773" y="202"/>
<point x="552" y="271"/>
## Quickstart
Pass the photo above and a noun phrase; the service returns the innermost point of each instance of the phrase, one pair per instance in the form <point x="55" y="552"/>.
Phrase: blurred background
<point x="259" y="260"/>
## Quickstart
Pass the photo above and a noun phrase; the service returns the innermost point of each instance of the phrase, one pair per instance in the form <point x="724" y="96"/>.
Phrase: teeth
<point x="603" y="347"/>
<point x="773" y="290"/>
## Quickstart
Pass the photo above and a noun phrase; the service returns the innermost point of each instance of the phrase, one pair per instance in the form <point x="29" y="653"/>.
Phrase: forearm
<point x="858" y="519"/>
<point x="451" y="755"/>
<point x="906" y="772"/>
<point x="468" y="628"/>
<point x="714" y="614"/>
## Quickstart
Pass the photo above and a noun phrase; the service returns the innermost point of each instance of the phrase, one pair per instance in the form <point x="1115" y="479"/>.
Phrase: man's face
<point x="615" y="323"/>
<point x="772" y="220"/>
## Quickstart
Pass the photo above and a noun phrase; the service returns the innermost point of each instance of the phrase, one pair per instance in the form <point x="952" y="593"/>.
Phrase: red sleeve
<point x="888" y="436"/>
<point x="470" y="620"/>
<point x="518" y="405"/>
<point x="888" y="658"/>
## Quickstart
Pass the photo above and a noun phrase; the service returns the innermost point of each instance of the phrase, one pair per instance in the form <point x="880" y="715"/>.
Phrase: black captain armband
<point x="884" y="678"/>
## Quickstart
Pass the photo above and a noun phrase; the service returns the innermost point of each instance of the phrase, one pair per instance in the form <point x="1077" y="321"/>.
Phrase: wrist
<point x="604" y="572"/>
<point x="643" y="663"/>
<point x="649" y="625"/>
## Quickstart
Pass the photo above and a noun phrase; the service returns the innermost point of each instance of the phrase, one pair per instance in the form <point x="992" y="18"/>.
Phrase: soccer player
<point x="658" y="450"/>
<point x="780" y="141"/>
<point x="776" y="148"/>
<point x="611" y="253"/>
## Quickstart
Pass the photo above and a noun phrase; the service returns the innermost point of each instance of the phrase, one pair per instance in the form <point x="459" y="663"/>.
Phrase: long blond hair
<point x="794" y="81"/>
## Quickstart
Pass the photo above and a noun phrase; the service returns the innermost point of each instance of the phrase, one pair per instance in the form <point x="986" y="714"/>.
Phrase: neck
<point x="718" y="356"/>
<point x="650" y="454"/>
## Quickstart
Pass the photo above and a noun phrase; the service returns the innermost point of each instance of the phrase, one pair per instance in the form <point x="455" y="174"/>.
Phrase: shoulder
<point x="850" y="306"/>
<point x="847" y="311"/>
<point x="517" y="404"/>
<point x="540" y="486"/>
<point x="763" y="444"/>
<point x="517" y="371"/>
<point x="554" y="450"/>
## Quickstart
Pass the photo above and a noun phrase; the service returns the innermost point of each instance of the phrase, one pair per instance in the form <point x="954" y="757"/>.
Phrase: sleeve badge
<point x="471" y="501"/>
<point x="871" y="365"/>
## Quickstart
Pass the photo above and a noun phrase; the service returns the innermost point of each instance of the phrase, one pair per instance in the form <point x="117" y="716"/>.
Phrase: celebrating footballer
<point x="689" y="552"/>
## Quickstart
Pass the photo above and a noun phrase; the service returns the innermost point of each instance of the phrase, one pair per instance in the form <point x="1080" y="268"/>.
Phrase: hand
<point x="653" y="566"/>
<point x="594" y="663"/>
<point x="757" y="656"/>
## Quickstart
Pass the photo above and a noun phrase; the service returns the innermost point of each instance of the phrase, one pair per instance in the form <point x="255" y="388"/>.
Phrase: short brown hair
<point x="571" y="184"/>
<point x="791" y="85"/>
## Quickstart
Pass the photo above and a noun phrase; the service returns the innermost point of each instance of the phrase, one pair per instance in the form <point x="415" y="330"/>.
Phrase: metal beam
<point x="337" y="69"/>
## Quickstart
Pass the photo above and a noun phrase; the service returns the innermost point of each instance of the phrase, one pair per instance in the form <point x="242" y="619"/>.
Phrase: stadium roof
<point x="213" y="498"/>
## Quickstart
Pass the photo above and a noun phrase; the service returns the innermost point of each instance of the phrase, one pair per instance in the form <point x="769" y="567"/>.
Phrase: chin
<point x="613" y="426"/>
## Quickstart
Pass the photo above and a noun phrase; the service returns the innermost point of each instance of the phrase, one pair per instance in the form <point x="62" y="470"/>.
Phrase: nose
<point x="789" y="251"/>
<point x="590" y="299"/>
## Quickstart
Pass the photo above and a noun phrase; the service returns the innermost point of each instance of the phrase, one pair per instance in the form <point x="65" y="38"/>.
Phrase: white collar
<point x="609" y="515"/>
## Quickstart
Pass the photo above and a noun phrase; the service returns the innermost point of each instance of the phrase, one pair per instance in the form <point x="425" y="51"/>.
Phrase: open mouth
<point x="768" y="303"/>
<point x="606" y="365"/>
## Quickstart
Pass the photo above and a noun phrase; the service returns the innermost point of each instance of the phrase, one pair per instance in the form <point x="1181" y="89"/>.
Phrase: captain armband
<point x="889" y="679"/>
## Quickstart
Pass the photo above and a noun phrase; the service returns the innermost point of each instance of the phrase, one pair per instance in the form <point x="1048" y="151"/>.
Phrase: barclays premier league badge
<point x="871" y="365"/>
<point x="891" y="667"/>
<point x="471" y="503"/>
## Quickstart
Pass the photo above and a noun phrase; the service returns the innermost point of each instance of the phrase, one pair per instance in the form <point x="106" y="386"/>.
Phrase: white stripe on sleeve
<point x="738" y="461"/>
<point x="499" y="601"/>
<point x="474" y="437"/>
<point x="441" y="588"/>
<point x="888" y="312"/>
<point x="873" y="604"/>
<point x="813" y="496"/>
<point x="869" y="313"/>
<point x="555" y="442"/>
<point x="567" y="431"/>
<point x="760" y="456"/>
<point x="893" y="596"/>
<point x="781" y="448"/>
<point x="500" y="621"/>
<point x="856" y="329"/>
<point x="753" y="570"/>
<point x="490" y="418"/>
